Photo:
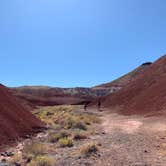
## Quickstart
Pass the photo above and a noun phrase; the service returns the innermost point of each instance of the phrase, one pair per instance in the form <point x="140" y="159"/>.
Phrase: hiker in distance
<point x="99" y="105"/>
<point x="85" y="106"/>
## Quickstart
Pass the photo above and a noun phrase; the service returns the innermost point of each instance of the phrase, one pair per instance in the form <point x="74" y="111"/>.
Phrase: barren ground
<point x="133" y="140"/>
<point x="122" y="140"/>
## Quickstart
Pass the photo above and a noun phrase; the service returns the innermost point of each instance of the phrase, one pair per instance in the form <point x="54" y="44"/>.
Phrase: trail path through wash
<point x="133" y="140"/>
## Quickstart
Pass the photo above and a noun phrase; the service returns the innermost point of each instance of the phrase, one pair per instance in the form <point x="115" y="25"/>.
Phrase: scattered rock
<point x="7" y="154"/>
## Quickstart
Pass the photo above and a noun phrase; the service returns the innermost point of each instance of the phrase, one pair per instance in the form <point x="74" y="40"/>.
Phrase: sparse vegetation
<point x="89" y="150"/>
<point x="65" y="142"/>
<point x="42" y="161"/>
<point x="54" y="137"/>
<point x="66" y="117"/>
<point x="15" y="159"/>
<point x="67" y="126"/>
<point x="33" y="149"/>
<point x="75" y="123"/>
<point x="79" y="134"/>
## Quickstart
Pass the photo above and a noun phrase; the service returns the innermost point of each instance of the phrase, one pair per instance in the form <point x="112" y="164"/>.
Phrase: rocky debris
<point x="7" y="154"/>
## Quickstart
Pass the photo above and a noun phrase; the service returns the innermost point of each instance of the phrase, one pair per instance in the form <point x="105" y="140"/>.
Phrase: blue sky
<point x="70" y="43"/>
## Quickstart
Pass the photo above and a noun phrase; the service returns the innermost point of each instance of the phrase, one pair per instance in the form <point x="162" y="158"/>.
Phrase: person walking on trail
<point x="85" y="106"/>
<point x="99" y="105"/>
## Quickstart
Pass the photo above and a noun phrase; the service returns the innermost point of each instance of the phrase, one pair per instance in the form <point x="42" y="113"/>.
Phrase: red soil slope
<point x="125" y="79"/>
<point x="145" y="94"/>
<point x="15" y="120"/>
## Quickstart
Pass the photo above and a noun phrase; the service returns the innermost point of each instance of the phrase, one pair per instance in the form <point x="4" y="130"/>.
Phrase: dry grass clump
<point x="65" y="142"/>
<point x="76" y="123"/>
<point x="89" y="150"/>
<point x="17" y="158"/>
<point x="34" y="153"/>
<point x="79" y="135"/>
<point x="42" y="161"/>
<point x="54" y="137"/>
<point x="33" y="149"/>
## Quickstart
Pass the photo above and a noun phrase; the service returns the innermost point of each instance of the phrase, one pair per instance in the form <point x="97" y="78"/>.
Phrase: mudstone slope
<point x="15" y="120"/>
<point x="145" y="94"/>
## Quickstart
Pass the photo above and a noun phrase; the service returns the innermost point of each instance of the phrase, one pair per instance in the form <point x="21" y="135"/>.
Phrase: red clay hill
<point x="15" y="120"/>
<point x="145" y="94"/>
<point x="125" y="79"/>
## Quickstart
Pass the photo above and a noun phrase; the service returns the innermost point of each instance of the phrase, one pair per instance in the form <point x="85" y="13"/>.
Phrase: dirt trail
<point x="133" y="140"/>
<point x="127" y="125"/>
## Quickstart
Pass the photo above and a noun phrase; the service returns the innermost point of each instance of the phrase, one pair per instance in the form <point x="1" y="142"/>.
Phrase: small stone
<point x="99" y="155"/>
<point x="99" y="144"/>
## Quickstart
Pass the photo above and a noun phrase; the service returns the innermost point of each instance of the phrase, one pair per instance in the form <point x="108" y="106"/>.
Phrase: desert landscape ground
<point x="45" y="126"/>
<point x="93" y="138"/>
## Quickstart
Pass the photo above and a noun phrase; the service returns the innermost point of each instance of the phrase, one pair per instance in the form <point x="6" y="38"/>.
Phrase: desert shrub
<point x="42" y="161"/>
<point x="80" y="125"/>
<point x="78" y="135"/>
<point x="89" y="149"/>
<point x="66" y="118"/>
<point x="65" y="142"/>
<point x="54" y="137"/>
<point x="76" y="123"/>
<point x="33" y="149"/>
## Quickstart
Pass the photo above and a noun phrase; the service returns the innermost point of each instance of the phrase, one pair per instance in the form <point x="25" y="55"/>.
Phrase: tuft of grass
<point x="65" y="142"/>
<point x="42" y="161"/>
<point x="89" y="150"/>
<point x="79" y="134"/>
<point x="76" y="123"/>
<point x="33" y="149"/>
<point x="55" y="137"/>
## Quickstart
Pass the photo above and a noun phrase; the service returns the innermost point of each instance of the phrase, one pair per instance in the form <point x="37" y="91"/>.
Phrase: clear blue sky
<point x="71" y="43"/>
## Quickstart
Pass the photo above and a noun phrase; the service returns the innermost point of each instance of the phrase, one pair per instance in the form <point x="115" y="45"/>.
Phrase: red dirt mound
<point x="145" y="94"/>
<point x="15" y="120"/>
